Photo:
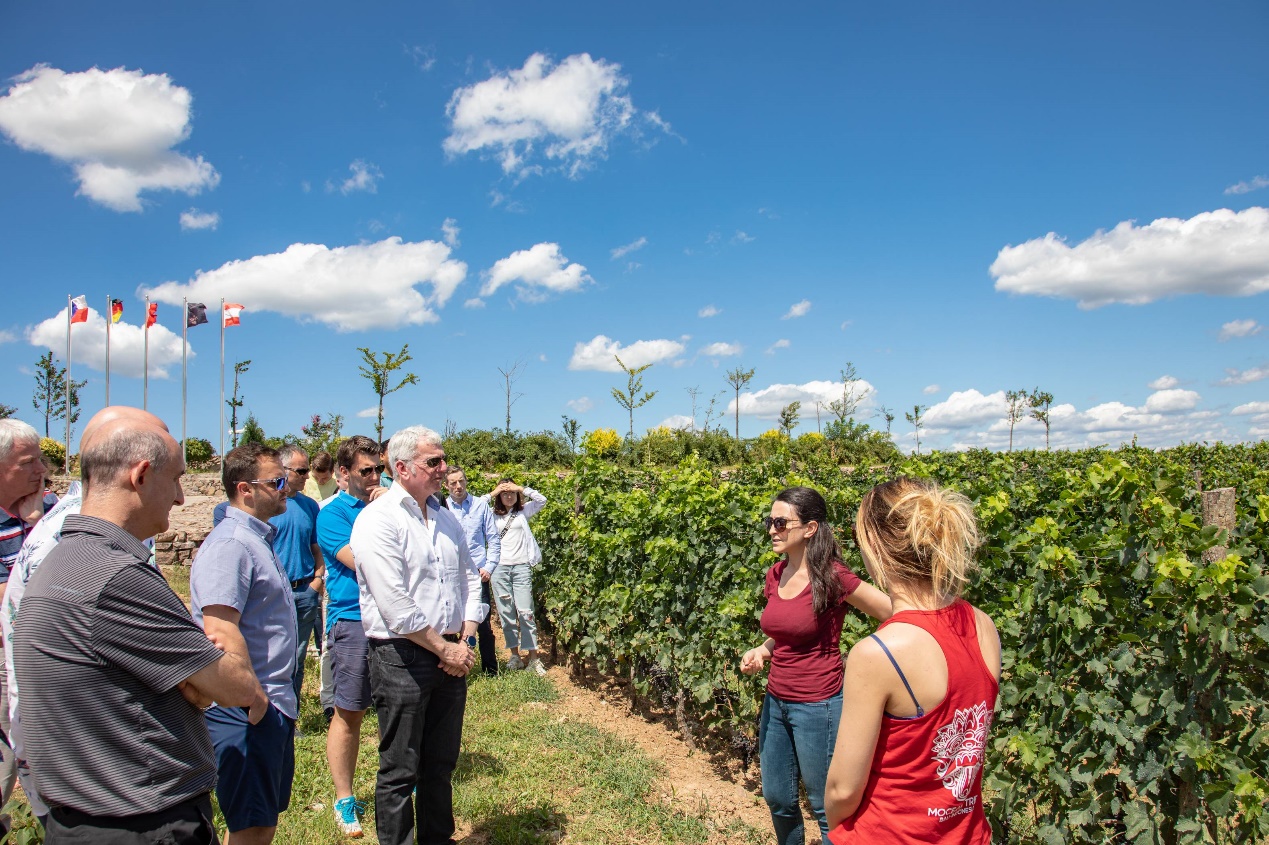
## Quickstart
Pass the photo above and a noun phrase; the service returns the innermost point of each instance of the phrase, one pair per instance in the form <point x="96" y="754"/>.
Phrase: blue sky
<point x="959" y="200"/>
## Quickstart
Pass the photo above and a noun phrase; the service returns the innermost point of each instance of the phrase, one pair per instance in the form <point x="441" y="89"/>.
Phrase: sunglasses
<point x="433" y="463"/>
<point x="300" y="471"/>
<point x="377" y="469"/>
<point x="278" y="483"/>
<point x="780" y="522"/>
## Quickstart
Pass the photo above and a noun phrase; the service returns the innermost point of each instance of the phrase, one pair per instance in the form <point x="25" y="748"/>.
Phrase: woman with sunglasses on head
<point x="807" y="592"/>
<point x="512" y="581"/>
<point x="921" y="691"/>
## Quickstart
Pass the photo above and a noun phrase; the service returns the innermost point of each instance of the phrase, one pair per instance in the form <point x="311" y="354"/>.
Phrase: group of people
<point x="126" y="708"/>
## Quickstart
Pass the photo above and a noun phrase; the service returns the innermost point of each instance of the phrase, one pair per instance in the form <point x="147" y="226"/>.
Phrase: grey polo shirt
<point x="237" y="567"/>
<point x="100" y="643"/>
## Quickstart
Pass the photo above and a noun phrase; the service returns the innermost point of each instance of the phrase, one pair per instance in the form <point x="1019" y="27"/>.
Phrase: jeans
<point x="485" y="634"/>
<point x="513" y="593"/>
<point x="796" y="739"/>
<point x="420" y="729"/>
<point x="308" y="611"/>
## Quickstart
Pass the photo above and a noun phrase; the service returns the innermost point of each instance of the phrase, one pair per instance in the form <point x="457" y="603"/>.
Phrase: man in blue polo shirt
<point x="358" y="465"/>
<point x="297" y="548"/>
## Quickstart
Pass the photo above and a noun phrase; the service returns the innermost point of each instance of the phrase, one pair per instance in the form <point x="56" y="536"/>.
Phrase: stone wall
<point x="194" y="484"/>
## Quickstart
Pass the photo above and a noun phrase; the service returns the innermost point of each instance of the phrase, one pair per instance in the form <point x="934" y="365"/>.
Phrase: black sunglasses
<point x="300" y="471"/>
<point x="433" y="463"/>
<point x="365" y="472"/>
<point x="278" y="483"/>
<point x="780" y="522"/>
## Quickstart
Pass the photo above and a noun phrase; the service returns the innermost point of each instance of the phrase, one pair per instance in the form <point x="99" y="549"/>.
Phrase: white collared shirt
<point x="413" y="574"/>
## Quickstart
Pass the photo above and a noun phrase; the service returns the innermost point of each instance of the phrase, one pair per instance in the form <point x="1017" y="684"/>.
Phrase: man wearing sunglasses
<point x="297" y="548"/>
<point x="240" y="593"/>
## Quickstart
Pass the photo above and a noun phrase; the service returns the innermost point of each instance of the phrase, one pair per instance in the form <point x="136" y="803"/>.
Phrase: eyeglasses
<point x="377" y="469"/>
<point x="433" y="463"/>
<point x="780" y="522"/>
<point x="278" y="483"/>
<point x="300" y="471"/>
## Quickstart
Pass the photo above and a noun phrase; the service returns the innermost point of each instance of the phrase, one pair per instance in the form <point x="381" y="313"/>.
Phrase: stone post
<point x="1218" y="510"/>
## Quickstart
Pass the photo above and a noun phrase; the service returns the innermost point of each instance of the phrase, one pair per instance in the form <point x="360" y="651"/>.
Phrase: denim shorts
<point x="350" y="664"/>
<point x="255" y="765"/>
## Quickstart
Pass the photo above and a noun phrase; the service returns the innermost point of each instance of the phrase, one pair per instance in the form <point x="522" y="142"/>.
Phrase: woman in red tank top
<point x="921" y="691"/>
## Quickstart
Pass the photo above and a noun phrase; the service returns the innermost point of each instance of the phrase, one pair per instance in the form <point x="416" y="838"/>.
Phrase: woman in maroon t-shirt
<point x="807" y="592"/>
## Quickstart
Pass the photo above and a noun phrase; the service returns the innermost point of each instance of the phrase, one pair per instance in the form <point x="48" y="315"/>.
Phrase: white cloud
<point x="546" y="116"/>
<point x="352" y="288"/>
<point x="931" y="389"/>
<point x="116" y="128"/>
<point x="1239" y="328"/>
<point x="450" y="231"/>
<point x="1170" y="401"/>
<point x="371" y="412"/>
<point x="1164" y="383"/>
<point x="1251" y="408"/>
<point x="846" y="324"/>
<point x="722" y="350"/>
<point x="423" y="57"/>
<point x="966" y="408"/>
<point x="581" y="405"/>
<point x="1219" y="252"/>
<point x="365" y="178"/>
<point x="600" y="354"/>
<point x="474" y="302"/>
<point x="540" y="270"/>
<point x="195" y="219"/>
<point x="1247" y="376"/>
<point x="798" y="309"/>
<point x="127" y="343"/>
<point x="768" y="402"/>
<point x="782" y="343"/>
<point x="1255" y="183"/>
<point x="7" y="336"/>
<point x="681" y="422"/>
<point x="742" y="237"/>
<point x="709" y="311"/>
<point x="629" y="248"/>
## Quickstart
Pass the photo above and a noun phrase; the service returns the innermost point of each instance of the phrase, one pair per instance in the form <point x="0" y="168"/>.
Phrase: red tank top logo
<point x="959" y="748"/>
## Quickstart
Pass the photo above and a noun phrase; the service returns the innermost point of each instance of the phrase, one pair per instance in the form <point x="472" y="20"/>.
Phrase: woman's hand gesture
<point x="754" y="660"/>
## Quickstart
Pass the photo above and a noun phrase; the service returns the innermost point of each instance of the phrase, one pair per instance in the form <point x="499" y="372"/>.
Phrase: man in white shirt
<point x="420" y="606"/>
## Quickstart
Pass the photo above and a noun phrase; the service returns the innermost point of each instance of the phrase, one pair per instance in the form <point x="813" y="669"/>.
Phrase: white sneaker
<point x="346" y="812"/>
<point x="536" y="665"/>
<point x="515" y="662"/>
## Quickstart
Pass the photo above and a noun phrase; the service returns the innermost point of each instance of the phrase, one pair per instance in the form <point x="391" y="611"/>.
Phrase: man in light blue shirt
<point x="485" y="545"/>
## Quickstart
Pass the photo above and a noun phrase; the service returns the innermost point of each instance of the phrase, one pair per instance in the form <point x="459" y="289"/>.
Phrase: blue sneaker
<point x="346" y="812"/>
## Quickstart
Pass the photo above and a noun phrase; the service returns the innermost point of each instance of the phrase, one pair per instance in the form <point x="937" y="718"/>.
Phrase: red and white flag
<point x="151" y="314"/>
<point x="79" y="309"/>
<point x="232" y="310"/>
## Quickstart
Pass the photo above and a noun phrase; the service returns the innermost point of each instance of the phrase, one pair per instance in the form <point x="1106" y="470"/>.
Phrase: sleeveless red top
<point x="926" y="780"/>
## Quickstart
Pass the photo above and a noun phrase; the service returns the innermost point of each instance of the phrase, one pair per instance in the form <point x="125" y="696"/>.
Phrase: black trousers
<point x="420" y="711"/>
<point x="187" y="823"/>
<point x="485" y="634"/>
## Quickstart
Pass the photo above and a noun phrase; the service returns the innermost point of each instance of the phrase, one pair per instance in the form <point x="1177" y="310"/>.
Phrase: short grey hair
<point x="14" y="433"/>
<point x="405" y="443"/>
<point x="288" y="449"/>
<point x="112" y="453"/>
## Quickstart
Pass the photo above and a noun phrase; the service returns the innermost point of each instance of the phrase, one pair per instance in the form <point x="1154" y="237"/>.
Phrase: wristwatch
<point x="471" y="642"/>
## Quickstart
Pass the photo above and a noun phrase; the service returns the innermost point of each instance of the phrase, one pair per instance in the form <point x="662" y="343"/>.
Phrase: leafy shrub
<point x="251" y="432"/>
<point x="602" y="443"/>
<point x="54" y="452"/>
<point x="198" y="452"/>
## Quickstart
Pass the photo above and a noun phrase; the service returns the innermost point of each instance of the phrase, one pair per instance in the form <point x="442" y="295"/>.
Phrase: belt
<point x="301" y="583"/>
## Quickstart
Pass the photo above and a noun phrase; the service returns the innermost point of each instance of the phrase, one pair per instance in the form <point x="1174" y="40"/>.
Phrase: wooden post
<point x="1218" y="510"/>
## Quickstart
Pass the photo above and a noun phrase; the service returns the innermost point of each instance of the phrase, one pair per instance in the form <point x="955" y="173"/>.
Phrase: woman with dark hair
<point x="921" y="691"/>
<point x="512" y="581"/>
<point x="807" y="591"/>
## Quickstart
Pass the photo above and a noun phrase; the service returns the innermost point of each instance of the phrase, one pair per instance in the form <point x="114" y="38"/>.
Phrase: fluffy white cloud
<point x="1219" y="252"/>
<point x="931" y="389"/>
<point x="798" y="309"/>
<point x="722" y="350"/>
<point x="679" y="421"/>
<point x="1255" y="183"/>
<point x="629" y="248"/>
<point x="450" y="231"/>
<point x="540" y="271"/>
<point x="369" y="413"/>
<point x="966" y="408"/>
<point x="1251" y="408"/>
<point x="352" y="288"/>
<point x="768" y="402"/>
<point x="365" y="178"/>
<point x="474" y="302"/>
<point x="582" y="404"/>
<point x="709" y="311"/>
<point x="1240" y="328"/>
<point x="601" y="352"/>
<point x="1171" y="401"/>
<point x="127" y="343"/>
<point x="782" y="343"/>
<point x="1164" y="383"/>
<point x="545" y="115"/>
<point x="1253" y="374"/>
<point x="195" y="219"/>
<point x="116" y="128"/>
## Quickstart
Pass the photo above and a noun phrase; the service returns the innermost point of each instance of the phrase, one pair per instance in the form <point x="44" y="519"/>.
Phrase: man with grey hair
<point x="113" y="670"/>
<point x="420" y="605"/>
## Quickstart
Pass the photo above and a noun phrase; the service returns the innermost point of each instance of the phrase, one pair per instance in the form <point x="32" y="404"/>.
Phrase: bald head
<point x="118" y="444"/>
<point x="117" y="413"/>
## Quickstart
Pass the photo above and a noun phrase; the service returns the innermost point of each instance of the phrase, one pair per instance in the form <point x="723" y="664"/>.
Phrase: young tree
<point x="572" y="431"/>
<point x="322" y="435"/>
<point x="630" y="398"/>
<point x="7" y="411"/>
<point x="886" y="414"/>
<point x="251" y="431"/>
<point x="1018" y="400"/>
<point x="379" y="372"/>
<point x="789" y="417"/>
<point x="738" y="379"/>
<point x="50" y="392"/>
<point x="693" y="392"/>
<point x="844" y="408"/>
<point x="712" y="411"/>
<point x="1040" y="400"/>
<point x="917" y="422"/>
<point x="510" y="376"/>
<point x="236" y="402"/>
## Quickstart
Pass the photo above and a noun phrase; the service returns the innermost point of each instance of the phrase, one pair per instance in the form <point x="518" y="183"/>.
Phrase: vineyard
<point x="1133" y="703"/>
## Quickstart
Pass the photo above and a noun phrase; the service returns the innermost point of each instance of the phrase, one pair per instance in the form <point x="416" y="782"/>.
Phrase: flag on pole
<point x="195" y="314"/>
<point x="116" y="310"/>
<point x="232" y="310"/>
<point x="151" y="314"/>
<point x="79" y="310"/>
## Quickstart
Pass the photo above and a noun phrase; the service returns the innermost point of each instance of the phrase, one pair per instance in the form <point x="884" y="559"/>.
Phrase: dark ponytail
<point x="821" y="548"/>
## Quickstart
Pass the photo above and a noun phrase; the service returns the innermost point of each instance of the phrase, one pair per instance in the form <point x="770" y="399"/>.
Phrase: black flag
<point x="196" y="314"/>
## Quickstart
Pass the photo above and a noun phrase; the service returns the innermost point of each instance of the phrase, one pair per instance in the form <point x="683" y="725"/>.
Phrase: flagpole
<point x="68" y="383"/>
<point x="222" y="380"/>
<point x="184" y="370"/>
<point x="110" y="318"/>
<point x="145" y="377"/>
